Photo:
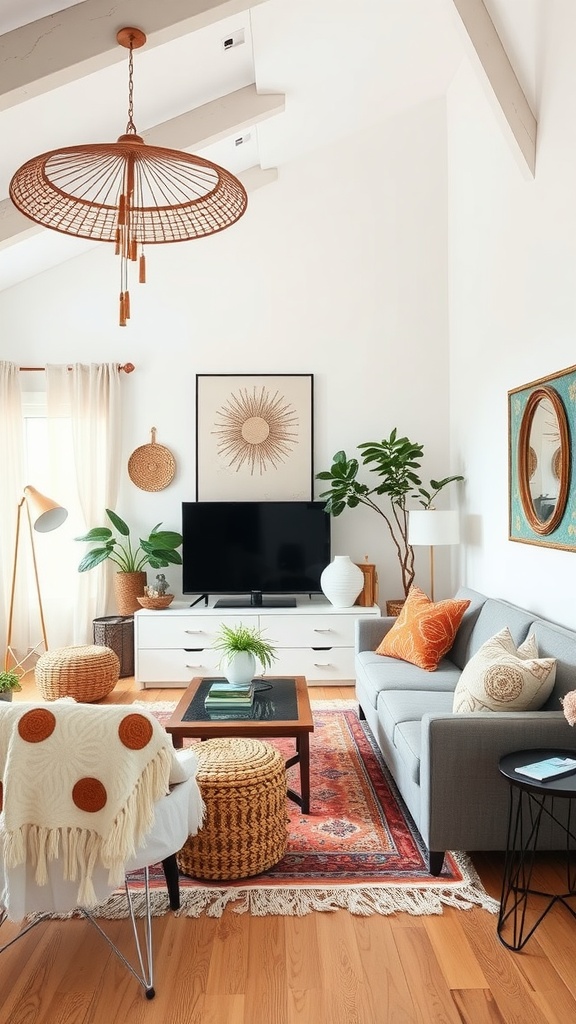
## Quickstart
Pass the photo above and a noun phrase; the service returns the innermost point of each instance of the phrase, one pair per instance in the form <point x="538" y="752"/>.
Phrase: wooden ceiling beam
<point x="70" y="44"/>
<point x="504" y="91"/>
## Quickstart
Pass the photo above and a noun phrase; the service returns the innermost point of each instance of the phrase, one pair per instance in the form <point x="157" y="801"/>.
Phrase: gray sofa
<point x="444" y="764"/>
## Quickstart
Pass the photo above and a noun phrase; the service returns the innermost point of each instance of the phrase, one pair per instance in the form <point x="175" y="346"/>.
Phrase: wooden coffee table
<point x="281" y="708"/>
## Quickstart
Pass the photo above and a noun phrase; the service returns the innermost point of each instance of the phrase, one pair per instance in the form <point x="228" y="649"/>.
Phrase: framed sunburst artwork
<point x="254" y="437"/>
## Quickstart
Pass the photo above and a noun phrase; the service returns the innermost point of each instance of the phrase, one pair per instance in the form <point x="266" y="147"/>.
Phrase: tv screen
<point x="254" y="548"/>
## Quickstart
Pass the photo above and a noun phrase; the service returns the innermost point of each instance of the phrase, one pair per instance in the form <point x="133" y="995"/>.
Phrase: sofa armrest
<point x="370" y="631"/>
<point x="464" y="798"/>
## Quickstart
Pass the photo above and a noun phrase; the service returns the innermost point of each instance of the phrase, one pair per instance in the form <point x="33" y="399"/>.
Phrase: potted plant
<point x="9" y="681"/>
<point x="157" y="551"/>
<point x="395" y="460"/>
<point x="240" y="646"/>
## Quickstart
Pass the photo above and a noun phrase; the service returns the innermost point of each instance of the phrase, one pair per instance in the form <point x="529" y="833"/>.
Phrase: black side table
<point x="531" y="803"/>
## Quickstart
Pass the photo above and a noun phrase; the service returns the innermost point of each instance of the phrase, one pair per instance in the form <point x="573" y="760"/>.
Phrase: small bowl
<point x="155" y="602"/>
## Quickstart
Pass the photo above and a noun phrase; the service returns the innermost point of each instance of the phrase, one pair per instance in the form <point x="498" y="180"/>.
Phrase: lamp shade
<point x="45" y="514"/>
<point x="431" y="527"/>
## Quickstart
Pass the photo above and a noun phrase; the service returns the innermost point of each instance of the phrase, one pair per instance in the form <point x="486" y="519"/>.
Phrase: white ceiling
<point x="342" y="67"/>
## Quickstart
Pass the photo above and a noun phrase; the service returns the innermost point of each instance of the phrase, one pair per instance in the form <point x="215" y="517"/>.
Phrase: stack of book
<point x="229" y="697"/>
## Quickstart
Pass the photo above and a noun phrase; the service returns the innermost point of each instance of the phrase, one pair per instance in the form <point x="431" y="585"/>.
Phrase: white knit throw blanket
<point x="79" y="781"/>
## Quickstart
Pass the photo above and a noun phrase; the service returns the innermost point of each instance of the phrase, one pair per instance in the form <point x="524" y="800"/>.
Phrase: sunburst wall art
<point x="254" y="436"/>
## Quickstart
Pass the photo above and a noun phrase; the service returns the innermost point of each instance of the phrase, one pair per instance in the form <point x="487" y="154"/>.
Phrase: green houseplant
<point x="395" y="461"/>
<point x="239" y="647"/>
<point x="9" y="681"/>
<point x="158" y="550"/>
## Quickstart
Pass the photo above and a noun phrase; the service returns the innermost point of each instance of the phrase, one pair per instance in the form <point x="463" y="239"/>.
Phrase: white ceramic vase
<point x="342" y="581"/>
<point x="240" y="668"/>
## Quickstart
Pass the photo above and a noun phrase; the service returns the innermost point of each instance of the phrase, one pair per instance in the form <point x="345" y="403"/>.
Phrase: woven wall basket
<point x="152" y="466"/>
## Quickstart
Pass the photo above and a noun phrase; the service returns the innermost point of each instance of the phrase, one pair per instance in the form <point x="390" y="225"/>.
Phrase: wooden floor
<point x="323" y="968"/>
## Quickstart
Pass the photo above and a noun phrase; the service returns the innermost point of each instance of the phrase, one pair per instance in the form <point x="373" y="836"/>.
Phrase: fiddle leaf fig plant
<point x="158" y="550"/>
<point x="395" y="461"/>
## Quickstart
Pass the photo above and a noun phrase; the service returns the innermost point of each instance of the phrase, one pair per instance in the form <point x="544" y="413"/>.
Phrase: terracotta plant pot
<point x="128" y="586"/>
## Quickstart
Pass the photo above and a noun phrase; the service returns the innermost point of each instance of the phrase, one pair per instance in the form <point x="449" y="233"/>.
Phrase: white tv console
<point x="314" y="639"/>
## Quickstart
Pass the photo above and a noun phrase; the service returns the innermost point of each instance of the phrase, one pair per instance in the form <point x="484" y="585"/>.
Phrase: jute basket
<point x="86" y="673"/>
<point x="243" y="783"/>
<point x="395" y="607"/>
<point x="127" y="587"/>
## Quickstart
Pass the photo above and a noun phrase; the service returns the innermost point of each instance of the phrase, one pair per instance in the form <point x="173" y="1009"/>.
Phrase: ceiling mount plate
<point x="131" y="37"/>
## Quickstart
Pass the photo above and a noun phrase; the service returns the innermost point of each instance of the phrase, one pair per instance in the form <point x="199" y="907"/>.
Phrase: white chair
<point x="57" y="856"/>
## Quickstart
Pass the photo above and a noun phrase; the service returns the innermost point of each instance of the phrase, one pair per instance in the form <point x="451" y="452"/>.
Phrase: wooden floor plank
<point x="431" y="995"/>
<point x="459" y="966"/>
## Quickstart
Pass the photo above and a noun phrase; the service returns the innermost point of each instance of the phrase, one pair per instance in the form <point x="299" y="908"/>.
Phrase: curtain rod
<point x="127" y="367"/>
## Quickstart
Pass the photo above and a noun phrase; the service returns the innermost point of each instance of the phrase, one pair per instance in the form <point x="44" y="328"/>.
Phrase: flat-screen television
<point x="266" y="551"/>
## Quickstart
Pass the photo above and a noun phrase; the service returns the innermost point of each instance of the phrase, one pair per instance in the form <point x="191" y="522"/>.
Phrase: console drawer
<point x="166" y="630"/>
<point x="335" y="664"/>
<point x="165" y="667"/>
<point x="310" y="630"/>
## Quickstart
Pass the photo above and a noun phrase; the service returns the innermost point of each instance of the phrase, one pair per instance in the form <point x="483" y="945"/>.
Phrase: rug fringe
<point x="389" y="898"/>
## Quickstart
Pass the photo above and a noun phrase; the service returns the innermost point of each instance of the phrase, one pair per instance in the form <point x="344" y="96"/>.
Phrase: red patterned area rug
<point x="357" y="849"/>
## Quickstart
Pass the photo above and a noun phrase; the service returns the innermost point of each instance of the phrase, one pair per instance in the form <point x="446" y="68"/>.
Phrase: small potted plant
<point x="240" y="646"/>
<point x="9" y="681"/>
<point x="158" y="550"/>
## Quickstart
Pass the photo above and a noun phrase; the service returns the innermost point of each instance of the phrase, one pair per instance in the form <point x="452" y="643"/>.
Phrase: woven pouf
<point x="243" y="783"/>
<point x="86" y="673"/>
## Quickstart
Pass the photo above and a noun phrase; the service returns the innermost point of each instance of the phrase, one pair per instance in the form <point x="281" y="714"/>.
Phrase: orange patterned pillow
<point x="423" y="632"/>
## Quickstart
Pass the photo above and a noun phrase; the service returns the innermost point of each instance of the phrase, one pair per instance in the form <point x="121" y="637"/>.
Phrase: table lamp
<point x="430" y="527"/>
<point x="44" y="515"/>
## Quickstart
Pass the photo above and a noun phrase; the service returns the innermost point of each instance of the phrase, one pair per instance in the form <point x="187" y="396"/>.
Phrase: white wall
<point x="339" y="269"/>
<point x="512" y="272"/>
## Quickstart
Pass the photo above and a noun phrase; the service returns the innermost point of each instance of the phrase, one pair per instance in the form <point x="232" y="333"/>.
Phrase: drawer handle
<point x="193" y="630"/>
<point x="316" y="629"/>
<point x="322" y="664"/>
<point x="194" y="666"/>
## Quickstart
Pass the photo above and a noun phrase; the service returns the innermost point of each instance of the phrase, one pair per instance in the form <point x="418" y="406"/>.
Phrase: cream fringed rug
<point x="358" y="849"/>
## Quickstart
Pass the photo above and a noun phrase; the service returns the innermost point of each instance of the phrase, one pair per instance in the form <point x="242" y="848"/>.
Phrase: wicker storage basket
<point x="395" y="607"/>
<point x="243" y="783"/>
<point x="117" y="633"/>
<point x="86" y="673"/>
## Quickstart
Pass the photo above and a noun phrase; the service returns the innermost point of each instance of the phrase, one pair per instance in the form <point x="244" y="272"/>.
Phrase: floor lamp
<point x="43" y="515"/>
<point x="430" y="527"/>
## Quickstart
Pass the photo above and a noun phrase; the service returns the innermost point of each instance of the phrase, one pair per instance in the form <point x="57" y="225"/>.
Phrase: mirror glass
<point x="544" y="460"/>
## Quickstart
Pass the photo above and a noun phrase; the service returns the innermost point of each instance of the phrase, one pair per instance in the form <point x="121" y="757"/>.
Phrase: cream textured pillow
<point x="501" y="677"/>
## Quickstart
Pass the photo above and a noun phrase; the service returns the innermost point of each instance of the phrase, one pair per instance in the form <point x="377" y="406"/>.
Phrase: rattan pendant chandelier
<point x="127" y="192"/>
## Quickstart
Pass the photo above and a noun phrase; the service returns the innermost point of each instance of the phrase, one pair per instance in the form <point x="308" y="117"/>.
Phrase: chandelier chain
<point x="131" y="127"/>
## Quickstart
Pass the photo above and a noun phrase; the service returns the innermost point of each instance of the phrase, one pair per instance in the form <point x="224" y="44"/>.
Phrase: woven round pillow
<point x="86" y="673"/>
<point x="243" y="784"/>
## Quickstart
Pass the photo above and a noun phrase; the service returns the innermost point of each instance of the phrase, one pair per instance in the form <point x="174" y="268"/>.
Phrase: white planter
<point x="342" y="581"/>
<point x="240" y="668"/>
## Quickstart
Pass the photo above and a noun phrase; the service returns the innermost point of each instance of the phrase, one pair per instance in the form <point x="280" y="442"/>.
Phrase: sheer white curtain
<point x="84" y="416"/>
<point x="12" y="448"/>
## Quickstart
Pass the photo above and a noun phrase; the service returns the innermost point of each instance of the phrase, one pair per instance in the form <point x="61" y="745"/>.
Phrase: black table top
<point x="564" y="786"/>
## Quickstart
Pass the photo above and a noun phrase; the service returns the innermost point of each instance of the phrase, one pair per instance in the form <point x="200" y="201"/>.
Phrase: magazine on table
<point x="548" y="768"/>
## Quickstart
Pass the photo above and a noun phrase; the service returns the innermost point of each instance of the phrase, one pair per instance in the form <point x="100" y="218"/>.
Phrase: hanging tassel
<point x="117" y="247"/>
<point x="122" y="321"/>
<point x="142" y="275"/>
<point x="122" y="209"/>
<point x="133" y="250"/>
<point x="127" y="305"/>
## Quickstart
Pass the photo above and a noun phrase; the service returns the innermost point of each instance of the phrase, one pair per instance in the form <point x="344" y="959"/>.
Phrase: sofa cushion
<point x="502" y="677"/>
<point x="400" y="713"/>
<point x="424" y="631"/>
<point x="494" y="615"/>
<point x="375" y="674"/>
